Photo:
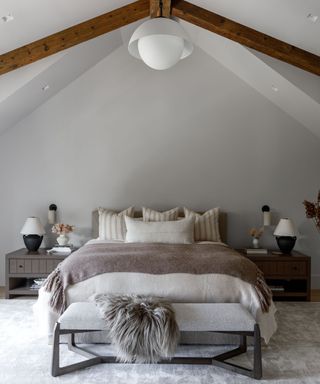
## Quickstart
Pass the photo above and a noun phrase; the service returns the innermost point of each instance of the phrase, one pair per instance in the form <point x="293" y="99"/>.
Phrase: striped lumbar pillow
<point x="149" y="214"/>
<point x="112" y="225"/>
<point x="206" y="226"/>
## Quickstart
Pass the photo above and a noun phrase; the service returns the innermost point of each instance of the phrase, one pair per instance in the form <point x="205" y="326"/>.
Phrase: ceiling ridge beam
<point x="246" y="36"/>
<point x="77" y="34"/>
<point x="155" y="9"/>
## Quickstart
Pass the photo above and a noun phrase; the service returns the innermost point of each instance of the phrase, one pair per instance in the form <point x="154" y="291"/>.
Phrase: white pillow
<point x="171" y="232"/>
<point x="112" y="225"/>
<point x="206" y="226"/>
<point x="149" y="214"/>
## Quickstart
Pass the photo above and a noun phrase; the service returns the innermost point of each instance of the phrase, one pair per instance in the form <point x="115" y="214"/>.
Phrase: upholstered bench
<point x="196" y="317"/>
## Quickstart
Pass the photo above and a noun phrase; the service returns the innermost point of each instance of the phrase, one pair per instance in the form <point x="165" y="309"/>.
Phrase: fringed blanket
<point x="157" y="259"/>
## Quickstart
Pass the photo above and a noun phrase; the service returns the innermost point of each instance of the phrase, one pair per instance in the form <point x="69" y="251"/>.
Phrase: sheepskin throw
<point x="142" y="329"/>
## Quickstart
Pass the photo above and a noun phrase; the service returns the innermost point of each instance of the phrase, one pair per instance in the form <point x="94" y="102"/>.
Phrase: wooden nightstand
<point x="289" y="276"/>
<point x="23" y="266"/>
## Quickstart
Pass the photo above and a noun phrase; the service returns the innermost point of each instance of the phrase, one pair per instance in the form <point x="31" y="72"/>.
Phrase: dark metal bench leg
<point x="71" y="342"/>
<point x="257" y="358"/>
<point x="56" y="370"/>
<point x="243" y="343"/>
<point x="256" y="372"/>
<point x="55" y="364"/>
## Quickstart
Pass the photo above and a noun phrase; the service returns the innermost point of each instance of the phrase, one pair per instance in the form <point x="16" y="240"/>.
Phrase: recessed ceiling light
<point x="274" y="88"/>
<point x="7" y="18"/>
<point x="312" y="18"/>
<point x="45" y="87"/>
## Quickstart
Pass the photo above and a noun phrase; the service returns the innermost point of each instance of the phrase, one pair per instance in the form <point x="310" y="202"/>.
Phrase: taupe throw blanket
<point x="95" y="259"/>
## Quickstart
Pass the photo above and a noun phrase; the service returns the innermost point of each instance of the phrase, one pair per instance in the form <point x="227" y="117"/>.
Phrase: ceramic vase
<point x="62" y="239"/>
<point x="255" y="243"/>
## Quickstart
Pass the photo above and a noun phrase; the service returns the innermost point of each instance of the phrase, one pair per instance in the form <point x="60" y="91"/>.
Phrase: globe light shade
<point x="160" y="43"/>
<point x="160" y="51"/>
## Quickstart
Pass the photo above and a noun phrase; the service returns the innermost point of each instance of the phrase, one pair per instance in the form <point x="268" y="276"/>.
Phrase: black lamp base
<point x="286" y="243"/>
<point x="32" y="242"/>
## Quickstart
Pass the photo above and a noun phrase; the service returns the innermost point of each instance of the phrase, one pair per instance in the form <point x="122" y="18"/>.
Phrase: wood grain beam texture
<point x="246" y="36"/>
<point x="143" y="8"/>
<point x="155" y="8"/>
<point x="74" y="35"/>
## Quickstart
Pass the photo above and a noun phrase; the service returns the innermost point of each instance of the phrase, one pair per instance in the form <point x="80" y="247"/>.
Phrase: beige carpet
<point x="293" y="356"/>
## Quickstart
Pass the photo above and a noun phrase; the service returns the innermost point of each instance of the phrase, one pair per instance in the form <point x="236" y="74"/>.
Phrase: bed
<point x="179" y="286"/>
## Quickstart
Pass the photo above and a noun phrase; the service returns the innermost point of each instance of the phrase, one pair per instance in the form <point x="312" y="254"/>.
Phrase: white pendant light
<point x="160" y="43"/>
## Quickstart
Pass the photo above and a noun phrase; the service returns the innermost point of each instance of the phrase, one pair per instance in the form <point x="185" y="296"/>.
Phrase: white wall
<point x="123" y="134"/>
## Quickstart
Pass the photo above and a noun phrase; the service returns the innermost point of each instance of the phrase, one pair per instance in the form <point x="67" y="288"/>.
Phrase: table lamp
<point x="285" y="235"/>
<point x="32" y="232"/>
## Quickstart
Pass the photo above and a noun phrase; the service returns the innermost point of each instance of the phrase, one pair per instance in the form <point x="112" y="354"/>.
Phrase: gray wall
<point x="195" y="135"/>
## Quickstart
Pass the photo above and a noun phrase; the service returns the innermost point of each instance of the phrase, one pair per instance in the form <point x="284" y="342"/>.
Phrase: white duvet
<point x="176" y="287"/>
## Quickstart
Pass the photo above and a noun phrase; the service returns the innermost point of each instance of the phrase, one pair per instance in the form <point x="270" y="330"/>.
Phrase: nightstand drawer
<point x="16" y="266"/>
<point x="32" y="266"/>
<point x="283" y="268"/>
<point x="298" y="268"/>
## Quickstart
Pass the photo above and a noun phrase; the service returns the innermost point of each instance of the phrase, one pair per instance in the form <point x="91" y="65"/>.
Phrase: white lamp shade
<point x="160" y="43"/>
<point x="32" y="226"/>
<point x="285" y="228"/>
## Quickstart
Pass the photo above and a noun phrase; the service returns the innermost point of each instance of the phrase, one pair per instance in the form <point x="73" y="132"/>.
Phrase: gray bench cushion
<point x="213" y="317"/>
<point x="189" y="316"/>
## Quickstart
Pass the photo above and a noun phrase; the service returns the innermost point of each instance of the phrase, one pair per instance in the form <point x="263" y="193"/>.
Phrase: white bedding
<point x="177" y="287"/>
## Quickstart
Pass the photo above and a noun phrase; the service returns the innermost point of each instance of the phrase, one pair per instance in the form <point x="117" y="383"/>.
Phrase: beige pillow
<point x="149" y="214"/>
<point x="112" y="224"/>
<point x="171" y="232"/>
<point x="206" y="226"/>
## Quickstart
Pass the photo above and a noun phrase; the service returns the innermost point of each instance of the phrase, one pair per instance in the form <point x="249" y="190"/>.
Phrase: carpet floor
<point x="293" y="355"/>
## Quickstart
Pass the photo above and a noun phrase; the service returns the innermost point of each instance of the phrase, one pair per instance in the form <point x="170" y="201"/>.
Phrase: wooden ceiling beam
<point x="74" y="35"/>
<point x="155" y="8"/>
<point x="246" y="36"/>
<point x="143" y="8"/>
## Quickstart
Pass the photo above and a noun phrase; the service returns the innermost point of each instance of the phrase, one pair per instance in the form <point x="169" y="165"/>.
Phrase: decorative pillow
<point x="149" y="214"/>
<point x="206" y="226"/>
<point x="171" y="232"/>
<point x="112" y="225"/>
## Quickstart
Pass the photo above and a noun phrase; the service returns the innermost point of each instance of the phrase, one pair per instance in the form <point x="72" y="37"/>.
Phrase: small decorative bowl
<point x="39" y="281"/>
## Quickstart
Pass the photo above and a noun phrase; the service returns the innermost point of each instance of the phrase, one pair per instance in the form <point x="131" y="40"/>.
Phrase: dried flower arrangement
<point x="313" y="211"/>
<point x="256" y="233"/>
<point x="62" y="229"/>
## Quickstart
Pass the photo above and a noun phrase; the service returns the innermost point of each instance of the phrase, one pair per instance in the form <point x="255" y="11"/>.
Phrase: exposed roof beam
<point x="141" y="9"/>
<point x="246" y="36"/>
<point x="74" y="35"/>
<point x="155" y="8"/>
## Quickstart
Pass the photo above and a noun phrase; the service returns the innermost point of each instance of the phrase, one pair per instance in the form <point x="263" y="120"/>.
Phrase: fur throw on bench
<point x="142" y="329"/>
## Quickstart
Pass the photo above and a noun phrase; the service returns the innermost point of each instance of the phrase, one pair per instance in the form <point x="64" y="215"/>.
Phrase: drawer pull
<point x="20" y="266"/>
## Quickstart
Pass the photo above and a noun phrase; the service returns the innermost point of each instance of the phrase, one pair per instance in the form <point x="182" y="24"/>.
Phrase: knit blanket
<point x="157" y="259"/>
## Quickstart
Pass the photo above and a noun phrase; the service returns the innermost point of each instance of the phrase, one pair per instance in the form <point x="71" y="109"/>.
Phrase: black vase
<point x="32" y="242"/>
<point x="286" y="243"/>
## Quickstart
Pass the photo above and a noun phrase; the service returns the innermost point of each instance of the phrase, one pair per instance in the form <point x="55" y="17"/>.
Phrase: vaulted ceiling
<point x="295" y="91"/>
